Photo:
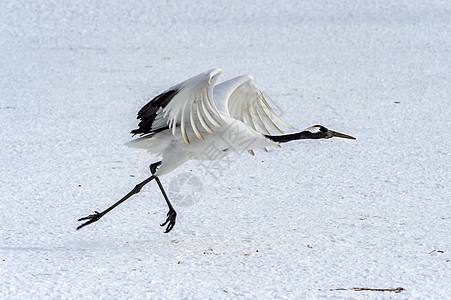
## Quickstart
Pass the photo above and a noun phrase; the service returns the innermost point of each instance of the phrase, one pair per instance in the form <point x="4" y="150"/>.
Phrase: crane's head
<point x="321" y="132"/>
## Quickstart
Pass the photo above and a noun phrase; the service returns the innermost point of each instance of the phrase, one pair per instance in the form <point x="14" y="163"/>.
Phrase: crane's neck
<point x="312" y="133"/>
<point x="297" y="136"/>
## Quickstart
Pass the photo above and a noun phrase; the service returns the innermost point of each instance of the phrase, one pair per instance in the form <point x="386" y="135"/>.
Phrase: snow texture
<point x="314" y="219"/>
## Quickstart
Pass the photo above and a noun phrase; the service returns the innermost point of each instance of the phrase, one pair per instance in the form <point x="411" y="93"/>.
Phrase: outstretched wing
<point x="241" y="99"/>
<point x="186" y="104"/>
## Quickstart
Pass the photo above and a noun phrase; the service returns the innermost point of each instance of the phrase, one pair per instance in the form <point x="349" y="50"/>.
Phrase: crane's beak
<point x="340" y="135"/>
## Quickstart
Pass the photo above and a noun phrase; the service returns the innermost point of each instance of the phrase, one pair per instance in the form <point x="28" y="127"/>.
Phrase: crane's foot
<point x="170" y="220"/>
<point x="91" y="219"/>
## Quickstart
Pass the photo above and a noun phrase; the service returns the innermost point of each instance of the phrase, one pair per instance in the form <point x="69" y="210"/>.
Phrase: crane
<point x="197" y="120"/>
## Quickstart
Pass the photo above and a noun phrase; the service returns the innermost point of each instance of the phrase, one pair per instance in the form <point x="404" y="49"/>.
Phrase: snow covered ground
<point x="314" y="219"/>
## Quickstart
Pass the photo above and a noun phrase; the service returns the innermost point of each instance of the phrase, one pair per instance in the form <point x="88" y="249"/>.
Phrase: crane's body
<point x="212" y="147"/>
<point x="198" y="120"/>
<point x="176" y="151"/>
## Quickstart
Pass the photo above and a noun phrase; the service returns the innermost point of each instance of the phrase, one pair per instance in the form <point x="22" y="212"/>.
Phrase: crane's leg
<point x="97" y="215"/>
<point x="171" y="216"/>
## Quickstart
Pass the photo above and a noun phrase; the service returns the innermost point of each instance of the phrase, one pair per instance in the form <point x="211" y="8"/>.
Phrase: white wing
<point x="241" y="99"/>
<point x="186" y="104"/>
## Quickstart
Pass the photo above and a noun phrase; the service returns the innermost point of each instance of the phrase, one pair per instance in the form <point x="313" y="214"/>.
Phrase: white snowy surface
<point x="311" y="220"/>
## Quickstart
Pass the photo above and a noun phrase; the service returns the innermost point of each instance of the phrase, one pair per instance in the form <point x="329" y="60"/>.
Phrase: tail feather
<point x="154" y="143"/>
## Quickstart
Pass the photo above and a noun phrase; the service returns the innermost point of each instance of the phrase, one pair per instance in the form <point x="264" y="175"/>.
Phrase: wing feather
<point x="185" y="107"/>
<point x="193" y="123"/>
<point x="285" y="123"/>
<point x="208" y="109"/>
<point x="202" y="119"/>
<point x="182" y="122"/>
<point x="241" y="99"/>
<point x="268" y="119"/>
<point x="259" y="119"/>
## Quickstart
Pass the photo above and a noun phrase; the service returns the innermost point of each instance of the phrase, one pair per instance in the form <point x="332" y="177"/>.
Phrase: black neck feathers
<point x="297" y="136"/>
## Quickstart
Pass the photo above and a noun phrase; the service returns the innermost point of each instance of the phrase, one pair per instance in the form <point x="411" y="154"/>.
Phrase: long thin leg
<point x="96" y="216"/>
<point x="171" y="213"/>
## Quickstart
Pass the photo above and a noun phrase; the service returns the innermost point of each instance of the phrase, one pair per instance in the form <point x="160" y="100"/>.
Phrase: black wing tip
<point x="160" y="101"/>
<point x="141" y="131"/>
<point x="147" y="132"/>
<point x="149" y="111"/>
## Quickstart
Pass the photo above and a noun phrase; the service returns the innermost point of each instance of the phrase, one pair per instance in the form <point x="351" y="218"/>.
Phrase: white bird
<point x="197" y="120"/>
